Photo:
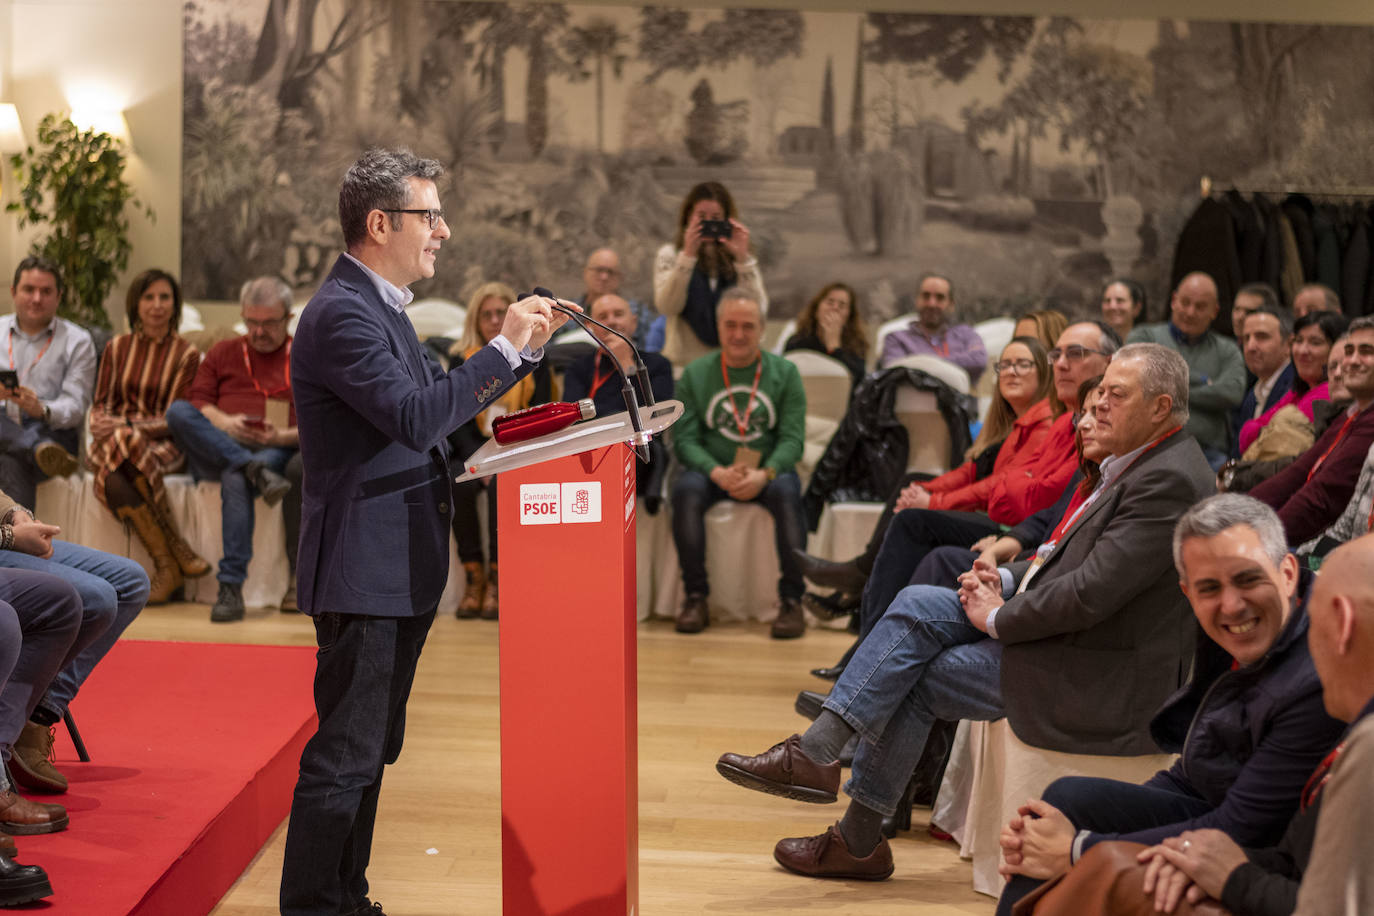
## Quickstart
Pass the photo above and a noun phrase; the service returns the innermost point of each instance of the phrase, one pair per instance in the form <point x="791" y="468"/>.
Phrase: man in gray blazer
<point x="374" y="413"/>
<point x="1076" y="647"/>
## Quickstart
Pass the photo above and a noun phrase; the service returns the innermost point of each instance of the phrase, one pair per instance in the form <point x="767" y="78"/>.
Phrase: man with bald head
<point x="1216" y="369"/>
<point x="601" y="277"/>
<point x="1316" y="297"/>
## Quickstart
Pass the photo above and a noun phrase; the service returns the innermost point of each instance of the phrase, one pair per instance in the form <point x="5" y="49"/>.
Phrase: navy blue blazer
<point x="1246" y="410"/>
<point x="373" y="412"/>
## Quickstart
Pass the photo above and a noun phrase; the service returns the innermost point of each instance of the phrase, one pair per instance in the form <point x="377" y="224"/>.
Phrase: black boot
<point x="271" y="486"/>
<point x="21" y="883"/>
<point x="845" y="576"/>
<point x="833" y="674"/>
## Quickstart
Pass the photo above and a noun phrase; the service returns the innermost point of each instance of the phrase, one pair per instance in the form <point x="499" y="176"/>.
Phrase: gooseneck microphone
<point x="641" y="439"/>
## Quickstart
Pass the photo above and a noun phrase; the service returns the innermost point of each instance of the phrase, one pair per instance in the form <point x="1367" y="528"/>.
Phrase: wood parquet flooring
<point x="705" y="845"/>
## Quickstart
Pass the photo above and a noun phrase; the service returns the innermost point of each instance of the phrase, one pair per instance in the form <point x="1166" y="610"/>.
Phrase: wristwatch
<point x="771" y="473"/>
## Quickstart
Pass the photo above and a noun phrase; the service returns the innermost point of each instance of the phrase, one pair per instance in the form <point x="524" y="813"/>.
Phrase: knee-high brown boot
<point x="166" y="578"/>
<point x="191" y="564"/>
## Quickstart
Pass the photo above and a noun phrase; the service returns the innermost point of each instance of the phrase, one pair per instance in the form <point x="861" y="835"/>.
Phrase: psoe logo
<point x="540" y="504"/>
<point x="582" y="502"/>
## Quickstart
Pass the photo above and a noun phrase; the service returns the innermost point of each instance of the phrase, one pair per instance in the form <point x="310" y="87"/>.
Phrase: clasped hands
<point x="912" y="496"/>
<point x="980" y="591"/>
<point x="740" y="481"/>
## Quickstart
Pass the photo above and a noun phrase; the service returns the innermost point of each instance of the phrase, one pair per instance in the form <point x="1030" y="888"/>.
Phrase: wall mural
<point x="1030" y="158"/>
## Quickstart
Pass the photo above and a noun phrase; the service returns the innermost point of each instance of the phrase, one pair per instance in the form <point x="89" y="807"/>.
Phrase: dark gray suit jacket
<point x="1103" y="635"/>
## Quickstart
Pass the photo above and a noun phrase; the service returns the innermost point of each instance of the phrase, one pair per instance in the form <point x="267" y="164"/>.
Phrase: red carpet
<point x="194" y="750"/>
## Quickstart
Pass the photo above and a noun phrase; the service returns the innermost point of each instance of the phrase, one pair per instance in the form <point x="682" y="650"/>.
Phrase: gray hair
<point x="377" y="181"/>
<point x="738" y="294"/>
<point x="1281" y="315"/>
<point x="1363" y="323"/>
<point x="1263" y="291"/>
<point x="267" y="290"/>
<point x="1333" y="299"/>
<point x="1162" y="371"/>
<point x="1215" y="514"/>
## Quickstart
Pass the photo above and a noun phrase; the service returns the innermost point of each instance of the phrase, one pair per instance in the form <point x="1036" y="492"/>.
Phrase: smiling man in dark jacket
<point x="1250" y="725"/>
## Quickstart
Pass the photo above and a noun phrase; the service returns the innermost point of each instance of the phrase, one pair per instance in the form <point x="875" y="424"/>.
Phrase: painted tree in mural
<point x="828" y="109"/>
<point x="542" y="23"/>
<point x="599" y="41"/>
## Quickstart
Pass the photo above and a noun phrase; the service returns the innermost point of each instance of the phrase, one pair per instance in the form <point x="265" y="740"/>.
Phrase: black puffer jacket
<point x="868" y="453"/>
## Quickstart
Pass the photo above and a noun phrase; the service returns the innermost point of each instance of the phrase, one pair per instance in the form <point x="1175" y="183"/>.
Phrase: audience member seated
<point x="739" y="437"/>
<point x="1216" y="378"/>
<point x="141" y="373"/>
<point x="930" y="332"/>
<point x="1251" y="714"/>
<point x="593" y="377"/>
<point x="1314" y="336"/>
<point x="485" y="315"/>
<point x="902" y="538"/>
<point x="1034" y="641"/>
<point x="1266" y="342"/>
<point x="831" y="324"/>
<point x="601" y="277"/>
<point x="112" y="590"/>
<point x="710" y="254"/>
<point x="239" y="427"/>
<point x="1249" y="298"/>
<point x="1123" y="304"/>
<point x="1312" y="492"/>
<point x="53" y="362"/>
<point x="1242" y="476"/>
<point x="1316" y="297"/>
<point x="1045" y="325"/>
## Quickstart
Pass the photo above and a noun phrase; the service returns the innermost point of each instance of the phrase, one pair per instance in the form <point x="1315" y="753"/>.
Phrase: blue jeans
<point x="694" y="493"/>
<point x="364" y="670"/>
<point x="212" y="455"/>
<point x="41" y="628"/>
<point x="112" y="589"/>
<point x="922" y="661"/>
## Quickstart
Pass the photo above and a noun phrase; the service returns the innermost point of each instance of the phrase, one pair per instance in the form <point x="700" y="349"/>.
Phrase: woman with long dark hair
<point x="831" y="324"/>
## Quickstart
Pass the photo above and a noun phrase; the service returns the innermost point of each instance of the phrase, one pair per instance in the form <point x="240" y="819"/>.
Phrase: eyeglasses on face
<point x="1073" y="353"/>
<point x="1013" y="366"/>
<point x="434" y="216"/>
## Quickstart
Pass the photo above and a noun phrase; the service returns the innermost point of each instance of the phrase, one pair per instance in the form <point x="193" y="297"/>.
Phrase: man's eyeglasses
<point x="434" y="216"/>
<point x="1013" y="366"/>
<point x="1074" y="353"/>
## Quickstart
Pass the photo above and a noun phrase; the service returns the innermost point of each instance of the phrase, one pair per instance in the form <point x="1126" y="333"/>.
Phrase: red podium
<point x="569" y="758"/>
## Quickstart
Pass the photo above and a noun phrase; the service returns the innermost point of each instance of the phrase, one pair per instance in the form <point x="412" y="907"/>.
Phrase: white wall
<point x="129" y="51"/>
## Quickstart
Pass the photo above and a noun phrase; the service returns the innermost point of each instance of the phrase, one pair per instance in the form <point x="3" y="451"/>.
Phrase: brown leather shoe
<point x="31" y="764"/>
<point x="827" y="856"/>
<point x="21" y="817"/>
<point x="694" y="616"/>
<point x="791" y="622"/>
<point x="784" y="770"/>
<point x="475" y="588"/>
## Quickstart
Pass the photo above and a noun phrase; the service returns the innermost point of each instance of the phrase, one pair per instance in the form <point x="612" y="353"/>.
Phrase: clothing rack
<point x="1206" y="188"/>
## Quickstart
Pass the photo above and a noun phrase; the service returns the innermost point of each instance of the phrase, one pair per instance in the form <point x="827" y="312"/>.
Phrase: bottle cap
<point x="586" y="408"/>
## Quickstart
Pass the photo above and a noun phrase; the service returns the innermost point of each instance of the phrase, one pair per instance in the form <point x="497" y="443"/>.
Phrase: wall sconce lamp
<point x="11" y="136"/>
<point x="101" y="120"/>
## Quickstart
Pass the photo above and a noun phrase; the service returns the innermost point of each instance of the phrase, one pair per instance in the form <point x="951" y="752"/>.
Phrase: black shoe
<point x="22" y="883"/>
<point x="695" y="616"/>
<point x="271" y="486"/>
<point x="833" y="673"/>
<point x="809" y="704"/>
<point x="228" y="607"/>
<point x="831" y="607"/>
<point x="844" y="576"/>
<point x="791" y="622"/>
<point x="901" y="819"/>
<point x="367" y="909"/>
<point x="847" y="752"/>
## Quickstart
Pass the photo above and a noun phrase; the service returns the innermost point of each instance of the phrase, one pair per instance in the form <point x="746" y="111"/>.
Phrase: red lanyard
<point x="741" y="424"/>
<point x="1319" y="776"/>
<point x="597" y="378"/>
<point x="1345" y="427"/>
<point x="1079" y="501"/>
<point x="9" y="344"/>
<point x="284" y="389"/>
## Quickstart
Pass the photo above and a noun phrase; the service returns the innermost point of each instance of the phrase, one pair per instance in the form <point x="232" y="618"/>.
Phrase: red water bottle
<point x="536" y="421"/>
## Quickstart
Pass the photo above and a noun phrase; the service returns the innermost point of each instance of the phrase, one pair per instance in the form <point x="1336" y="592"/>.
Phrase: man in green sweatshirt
<point x="739" y="438"/>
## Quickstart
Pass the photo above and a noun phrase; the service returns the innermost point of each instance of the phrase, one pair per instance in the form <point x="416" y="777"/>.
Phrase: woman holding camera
<point x="141" y="373"/>
<point x="710" y="255"/>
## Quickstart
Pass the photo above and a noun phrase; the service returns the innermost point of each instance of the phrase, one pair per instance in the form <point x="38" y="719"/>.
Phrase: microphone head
<point x="543" y="293"/>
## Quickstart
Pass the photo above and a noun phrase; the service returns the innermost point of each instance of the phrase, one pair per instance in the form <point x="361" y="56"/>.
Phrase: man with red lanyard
<point x="239" y="427"/>
<point x="53" y="366"/>
<point x="1312" y="492"/>
<point x="739" y="437"/>
<point x="931" y="333"/>
<point x="1036" y="645"/>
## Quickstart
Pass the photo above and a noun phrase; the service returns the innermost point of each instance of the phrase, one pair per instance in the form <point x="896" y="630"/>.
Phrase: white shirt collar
<point x="397" y="297"/>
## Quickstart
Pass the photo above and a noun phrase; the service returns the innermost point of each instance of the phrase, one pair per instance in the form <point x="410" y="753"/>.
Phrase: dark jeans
<point x="694" y="493"/>
<point x="19" y="474"/>
<point x="212" y="455"/>
<point x="913" y="534"/>
<point x="364" y="670"/>
<point x="1107" y="806"/>
<point x="866" y="559"/>
<point x="41" y="629"/>
<point x="467" y="528"/>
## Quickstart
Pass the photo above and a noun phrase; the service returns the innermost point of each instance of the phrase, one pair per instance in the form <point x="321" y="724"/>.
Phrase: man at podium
<point x="373" y="413"/>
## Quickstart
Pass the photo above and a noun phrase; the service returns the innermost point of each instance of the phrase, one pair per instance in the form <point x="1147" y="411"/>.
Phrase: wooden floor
<point x="705" y="845"/>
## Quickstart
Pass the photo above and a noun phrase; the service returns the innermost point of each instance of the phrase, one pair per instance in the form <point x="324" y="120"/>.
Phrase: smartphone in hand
<point x="9" y="379"/>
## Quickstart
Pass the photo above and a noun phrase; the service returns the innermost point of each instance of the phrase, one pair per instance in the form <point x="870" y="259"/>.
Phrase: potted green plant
<point x="72" y="181"/>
